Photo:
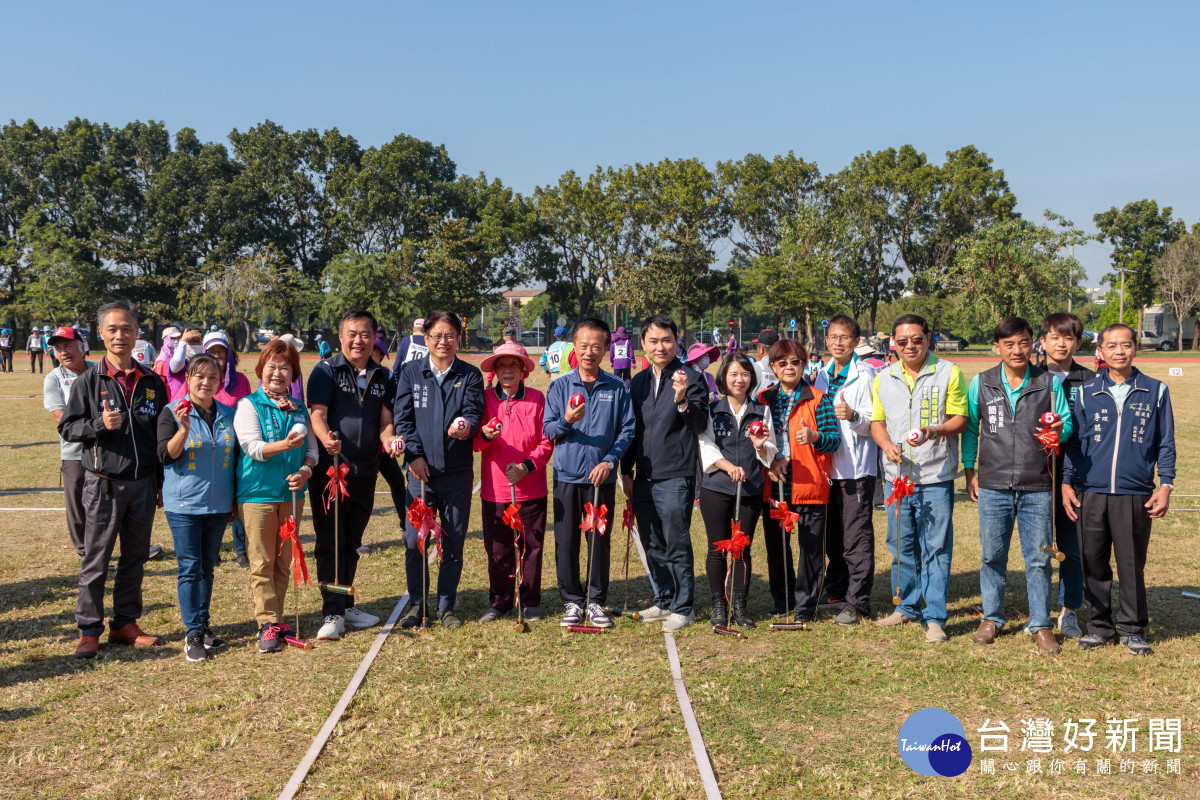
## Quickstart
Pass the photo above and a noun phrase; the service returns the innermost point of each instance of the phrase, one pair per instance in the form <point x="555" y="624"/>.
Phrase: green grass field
<point x="489" y="712"/>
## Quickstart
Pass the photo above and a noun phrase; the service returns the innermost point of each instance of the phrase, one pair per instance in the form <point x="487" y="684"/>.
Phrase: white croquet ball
<point x="299" y="429"/>
<point x="914" y="437"/>
<point x="459" y="424"/>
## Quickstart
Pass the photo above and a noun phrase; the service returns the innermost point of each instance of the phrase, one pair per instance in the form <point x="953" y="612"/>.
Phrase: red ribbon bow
<point x="337" y="483"/>
<point x="787" y="518"/>
<point x="627" y="518"/>
<point x="736" y="543"/>
<point x="513" y="519"/>
<point x="902" y="487"/>
<point x="1049" y="440"/>
<point x="299" y="565"/>
<point x="424" y="519"/>
<point x="595" y="518"/>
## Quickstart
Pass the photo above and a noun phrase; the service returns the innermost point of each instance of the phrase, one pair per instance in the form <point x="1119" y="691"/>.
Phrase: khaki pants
<point x="270" y="571"/>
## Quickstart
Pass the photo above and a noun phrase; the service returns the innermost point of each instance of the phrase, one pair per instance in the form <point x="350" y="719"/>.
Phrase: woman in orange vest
<point x="806" y="433"/>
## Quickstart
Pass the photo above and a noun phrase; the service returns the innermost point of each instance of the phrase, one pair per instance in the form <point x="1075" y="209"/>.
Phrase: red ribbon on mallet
<point x="736" y="543"/>
<point x="902" y="487"/>
<point x="595" y="518"/>
<point x="299" y="566"/>
<point x="337" y="483"/>
<point x="513" y="519"/>
<point x="787" y="518"/>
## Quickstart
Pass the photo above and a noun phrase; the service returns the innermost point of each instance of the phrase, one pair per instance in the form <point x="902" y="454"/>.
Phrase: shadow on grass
<point x="65" y="663"/>
<point x="26" y="444"/>
<point x="20" y="594"/>
<point x="11" y="714"/>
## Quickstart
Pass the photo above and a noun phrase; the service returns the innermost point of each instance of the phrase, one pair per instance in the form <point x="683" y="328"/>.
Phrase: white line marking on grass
<point x="689" y="720"/>
<point x="318" y="744"/>
<point x="32" y="509"/>
<point x="32" y="491"/>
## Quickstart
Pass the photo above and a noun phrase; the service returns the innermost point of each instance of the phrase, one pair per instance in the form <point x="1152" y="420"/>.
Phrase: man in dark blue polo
<point x="438" y="408"/>
<point x="349" y="394"/>
<point x="670" y="408"/>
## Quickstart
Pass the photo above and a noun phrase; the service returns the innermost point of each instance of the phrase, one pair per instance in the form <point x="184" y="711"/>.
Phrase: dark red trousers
<point x="502" y="553"/>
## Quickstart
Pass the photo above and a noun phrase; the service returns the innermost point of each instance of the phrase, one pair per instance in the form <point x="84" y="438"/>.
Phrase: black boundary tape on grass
<point x="318" y="744"/>
<point x="707" y="776"/>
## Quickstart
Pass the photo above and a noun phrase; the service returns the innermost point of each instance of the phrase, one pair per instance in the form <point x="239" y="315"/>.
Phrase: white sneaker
<point x="333" y="628"/>
<point x="1068" y="624"/>
<point x="598" y="617"/>
<point x="653" y="614"/>
<point x="358" y="619"/>
<point x="676" y="622"/>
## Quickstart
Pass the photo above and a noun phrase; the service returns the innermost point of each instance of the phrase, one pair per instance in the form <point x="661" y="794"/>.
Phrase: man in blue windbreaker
<point x="1124" y="429"/>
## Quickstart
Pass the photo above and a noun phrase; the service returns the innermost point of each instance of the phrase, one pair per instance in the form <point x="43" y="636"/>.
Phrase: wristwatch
<point x="855" y="417"/>
<point x="1170" y="486"/>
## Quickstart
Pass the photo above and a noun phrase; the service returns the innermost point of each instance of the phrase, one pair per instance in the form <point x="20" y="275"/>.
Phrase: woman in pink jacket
<point x="515" y="454"/>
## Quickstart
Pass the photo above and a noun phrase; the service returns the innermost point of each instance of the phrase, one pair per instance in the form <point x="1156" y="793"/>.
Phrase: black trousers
<point x="792" y="590"/>
<point x="354" y="512"/>
<point x="72" y="479"/>
<point x="35" y="358"/>
<point x="1114" y="524"/>
<point x="850" y="542"/>
<point x="716" y="509"/>
<point x="569" y="499"/>
<point x="114" y="511"/>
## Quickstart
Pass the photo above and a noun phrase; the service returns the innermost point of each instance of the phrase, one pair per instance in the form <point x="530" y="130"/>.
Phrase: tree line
<point x="290" y="227"/>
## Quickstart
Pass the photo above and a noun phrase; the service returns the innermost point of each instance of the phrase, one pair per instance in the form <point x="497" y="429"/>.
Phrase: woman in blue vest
<point x="196" y="446"/>
<point x="277" y="452"/>
<point x="730" y="454"/>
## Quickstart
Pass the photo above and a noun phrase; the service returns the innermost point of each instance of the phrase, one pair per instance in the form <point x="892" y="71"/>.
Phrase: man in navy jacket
<point x="1124" y="428"/>
<point x="670" y="407"/>
<point x="431" y="393"/>
<point x="589" y="442"/>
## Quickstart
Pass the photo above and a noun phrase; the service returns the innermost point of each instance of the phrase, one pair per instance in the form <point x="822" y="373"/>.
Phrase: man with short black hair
<point x="349" y="394"/>
<point x="1007" y="405"/>
<point x="113" y="412"/>
<point x="1125" y="431"/>
<point x="670" y="407"/>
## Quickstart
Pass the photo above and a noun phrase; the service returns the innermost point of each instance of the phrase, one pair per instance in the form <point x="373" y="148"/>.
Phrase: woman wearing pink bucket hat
<point x="515" y="453"/>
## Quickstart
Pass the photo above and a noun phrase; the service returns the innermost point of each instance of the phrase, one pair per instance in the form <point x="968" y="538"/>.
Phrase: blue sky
<point x="1083" y="105"/>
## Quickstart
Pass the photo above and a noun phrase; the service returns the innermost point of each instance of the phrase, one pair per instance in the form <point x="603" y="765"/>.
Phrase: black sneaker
<point x="193" y="647"/>
<point x="448" y="620"/>
<point x="1092" y="641"/>
<point x="243" y="561"/>
<point x="491" y="615"/>
<point x="268" y="639"/>
<point x="155" y="552"/>
<point x="533" y="613"/>
<point x="1137" y="645"/>
<point x="411" y="617"/>
<point x="211" y="640"/>
<point x="848" y="616"/>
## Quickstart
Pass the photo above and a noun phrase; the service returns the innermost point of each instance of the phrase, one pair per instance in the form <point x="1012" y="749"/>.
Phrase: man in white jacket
<point x="849" y="530"/>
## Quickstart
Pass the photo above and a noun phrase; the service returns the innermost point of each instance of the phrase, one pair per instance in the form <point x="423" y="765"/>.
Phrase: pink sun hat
<point x="699" y="350"/>
<point x="510" y="350"/>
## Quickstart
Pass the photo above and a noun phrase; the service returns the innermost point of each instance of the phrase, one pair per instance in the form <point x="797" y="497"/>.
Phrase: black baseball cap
<point x="767" y="337"/>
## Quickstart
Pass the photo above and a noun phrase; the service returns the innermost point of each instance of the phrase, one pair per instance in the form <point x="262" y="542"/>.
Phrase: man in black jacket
<point x="113" y="411"/>
<point x="670" y="407"/>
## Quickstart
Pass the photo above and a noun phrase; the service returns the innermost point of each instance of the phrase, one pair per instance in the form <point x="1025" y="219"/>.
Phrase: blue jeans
<point x="239" y="536"/>
<point x="923" y="526"/>
<point x="664" y="518"/>
<point x="197" y="544"/>
<point x="1034" y="518"/>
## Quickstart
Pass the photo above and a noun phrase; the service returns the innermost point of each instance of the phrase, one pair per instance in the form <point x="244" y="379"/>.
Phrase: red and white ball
<point x="459" y="425"/>
<point x="576" y="400"/>
<point x="757" y="427"/>
<point x="496" y="423"/>
<point x="680" y="374"/>
<point x="184" y="406"/>
<point x="1049" y="418"/>
<point x="915" y="437"/>
<point x="397" y="445"/>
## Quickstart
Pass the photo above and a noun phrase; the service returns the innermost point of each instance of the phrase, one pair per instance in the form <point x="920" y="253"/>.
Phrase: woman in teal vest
<point x="196" y="446"/>
<point x="278" y="451"/>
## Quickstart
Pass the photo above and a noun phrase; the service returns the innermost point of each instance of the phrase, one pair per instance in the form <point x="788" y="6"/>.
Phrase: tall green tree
<point x="1138" y="233"/>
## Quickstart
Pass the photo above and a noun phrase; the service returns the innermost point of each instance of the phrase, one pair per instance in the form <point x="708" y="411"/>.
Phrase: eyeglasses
<point x="442" y="337"/>
<point x="915" y="342"/>
<point x="1112" y="347"/>
<point x="839" y="338"/>
<point x="788" y="362"/>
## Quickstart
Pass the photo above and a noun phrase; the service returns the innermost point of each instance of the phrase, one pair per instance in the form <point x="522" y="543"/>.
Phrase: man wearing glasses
<point x="433" y="394"/>
<point x="1124" y="428"/>
<point x="849" y="531"/>
<point x="926" y="396"/>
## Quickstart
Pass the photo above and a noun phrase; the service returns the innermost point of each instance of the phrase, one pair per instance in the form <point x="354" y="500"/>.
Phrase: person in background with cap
<point x="515" y="453"/>
<point x="349" y="394"/>
<point x="323" y="348"/>
<point x="411" y="347"/>
<point x="46" y="331"/>
<point x="6" y="350"/>
<point x="113" y="412"/>
<point x="171" y="364"/>
<point x="56" y="388"/>
<point x="432" y="393"/>
<point x="670" y="413"/>
<point x="853" y="473"/>
<point x="144" y="353"/>
<point x="36" y="345"/>
<point x="162" y="361"/>
<point x="589" y="440"/>
<point x="231" y="388"/>
<point x="762" y="363"/>
<point x="620" y="354"/>
<point x="554" y="356"/>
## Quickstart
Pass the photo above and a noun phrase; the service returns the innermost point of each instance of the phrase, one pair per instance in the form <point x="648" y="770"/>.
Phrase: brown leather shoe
<point x="131" y="634"/>
<point x="1045" y="640"/>
<point x="986" y="634"/>
<point x="88" y="647"/>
